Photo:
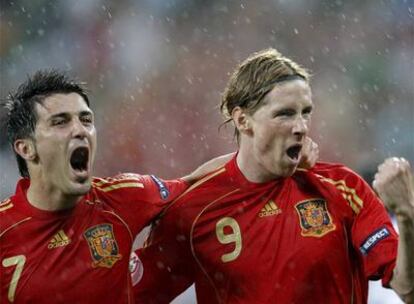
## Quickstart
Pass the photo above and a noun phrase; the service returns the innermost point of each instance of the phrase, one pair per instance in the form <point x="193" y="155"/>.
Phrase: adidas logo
<point x="270" y="209"/>
<point x="59" y="240"/>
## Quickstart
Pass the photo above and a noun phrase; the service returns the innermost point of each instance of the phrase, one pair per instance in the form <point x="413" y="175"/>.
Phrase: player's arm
<point x="208" y="167"/>
<point x="367" y="223"/>
<point x="166" y="262"/>
<point x="309" y="156"/>
<point x="138" y="199"/>
<point x="394" y="183"/>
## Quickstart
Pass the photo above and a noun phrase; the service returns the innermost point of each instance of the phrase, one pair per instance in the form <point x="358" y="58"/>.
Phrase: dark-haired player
<point x="258" y="230"/>
<point x="65" y="236"/>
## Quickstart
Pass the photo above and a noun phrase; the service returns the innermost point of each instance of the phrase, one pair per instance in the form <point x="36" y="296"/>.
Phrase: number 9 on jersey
<point x="233" y="237"/>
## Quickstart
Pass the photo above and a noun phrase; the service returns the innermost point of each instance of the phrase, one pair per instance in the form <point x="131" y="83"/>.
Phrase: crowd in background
<point x="156" y="70"/>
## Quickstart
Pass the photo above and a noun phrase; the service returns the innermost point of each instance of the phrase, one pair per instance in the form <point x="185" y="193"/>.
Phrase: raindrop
<point x="160" y="265"/>
<point x="180" y="237"/>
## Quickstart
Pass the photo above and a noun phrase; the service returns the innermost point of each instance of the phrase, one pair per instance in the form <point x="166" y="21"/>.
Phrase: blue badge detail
<point x="373" y="239"/>
<point x="163" y="190"/>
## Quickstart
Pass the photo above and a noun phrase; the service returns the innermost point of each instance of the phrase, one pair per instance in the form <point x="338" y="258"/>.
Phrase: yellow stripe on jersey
<point x="118" y="186"/>
<point x="349" y="194"/>
<point x="7" y="204"/>
<point x="121" y="178"/>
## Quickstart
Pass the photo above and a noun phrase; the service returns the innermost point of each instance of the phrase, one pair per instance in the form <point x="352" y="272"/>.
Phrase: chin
<point x="288" y="171"/>
<point x="79" y="189"/>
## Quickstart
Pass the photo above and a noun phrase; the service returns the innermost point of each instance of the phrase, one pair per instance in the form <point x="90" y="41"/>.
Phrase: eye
<point x="58" y="121"/>
<point x="284" y="113"/>
<point x="307" y="112"/>
<point x="86" y="119"/>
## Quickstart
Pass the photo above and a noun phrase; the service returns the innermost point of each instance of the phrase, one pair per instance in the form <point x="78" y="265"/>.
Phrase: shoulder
<point x="136" y="186"/>
<point x="5" y="205"/>
<point x="214" y="180"/>
<point x="120" y="181"/>
<point x="9" y="215"/>
<point x="350" y="184"/>
<point x="124" y="183"/>
<point x="206" y="189"/>
<point x="336" y="172"/>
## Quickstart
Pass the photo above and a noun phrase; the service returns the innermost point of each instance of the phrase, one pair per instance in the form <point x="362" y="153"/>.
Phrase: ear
<point x="241" y="120"/>
<point x="25" y="148"/>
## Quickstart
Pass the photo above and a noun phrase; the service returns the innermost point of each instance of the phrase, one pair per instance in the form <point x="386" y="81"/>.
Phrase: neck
<point x="47" y="197"/>
<point x="252" y="170"/>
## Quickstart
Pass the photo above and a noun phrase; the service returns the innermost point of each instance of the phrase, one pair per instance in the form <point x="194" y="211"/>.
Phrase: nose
<point x="301" y="126"/>
<point x="79" y="130"/>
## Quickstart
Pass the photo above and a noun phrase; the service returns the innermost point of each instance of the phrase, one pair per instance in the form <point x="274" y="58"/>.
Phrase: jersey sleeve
<point x="372" y="233"/>
<point x="138" y="199"/>
<point x="166" y="261"/>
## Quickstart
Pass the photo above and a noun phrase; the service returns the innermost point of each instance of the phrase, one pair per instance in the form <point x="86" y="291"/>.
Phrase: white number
<point x="19" y="261"/>
<point x="234" y="237"/>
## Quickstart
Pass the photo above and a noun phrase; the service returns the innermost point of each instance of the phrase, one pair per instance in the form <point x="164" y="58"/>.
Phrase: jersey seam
<point x="14" y="225"/>
<point x="195" y="185"/>
<point x="191" y="240"/>
<point x="122" y="221"/>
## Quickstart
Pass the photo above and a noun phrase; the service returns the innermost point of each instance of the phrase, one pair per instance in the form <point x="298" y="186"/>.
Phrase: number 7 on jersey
<point x="19" y="261"/>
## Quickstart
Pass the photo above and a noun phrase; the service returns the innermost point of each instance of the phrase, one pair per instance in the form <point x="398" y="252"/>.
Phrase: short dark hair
<point x="21" y="116"/>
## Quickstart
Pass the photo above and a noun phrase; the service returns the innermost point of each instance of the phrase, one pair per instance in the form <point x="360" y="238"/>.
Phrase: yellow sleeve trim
<point x="126" y="177"/>
<point x="7" y="204"/>
<point x="118" y="186"/>
<point x="349" y="194"/>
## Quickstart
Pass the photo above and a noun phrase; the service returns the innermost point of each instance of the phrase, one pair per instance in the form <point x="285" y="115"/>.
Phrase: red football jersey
<point x="315" y="237"/>
<point x="79" y="255"/>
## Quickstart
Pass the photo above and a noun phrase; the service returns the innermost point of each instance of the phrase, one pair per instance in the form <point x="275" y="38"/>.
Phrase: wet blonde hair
<point x="254" y="78"/>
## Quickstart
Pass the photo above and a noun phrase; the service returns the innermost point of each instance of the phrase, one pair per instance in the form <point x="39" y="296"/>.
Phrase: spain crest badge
<point x="102" y="245"/>
<point x="314" y="218"/>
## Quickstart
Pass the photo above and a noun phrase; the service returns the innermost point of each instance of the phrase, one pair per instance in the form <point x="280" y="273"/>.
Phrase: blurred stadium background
<point x="156" y="69"/>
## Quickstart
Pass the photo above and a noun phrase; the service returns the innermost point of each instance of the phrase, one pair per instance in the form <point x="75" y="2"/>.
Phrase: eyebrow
<point x="66" y="114"/>
<point x="83" y="113"/>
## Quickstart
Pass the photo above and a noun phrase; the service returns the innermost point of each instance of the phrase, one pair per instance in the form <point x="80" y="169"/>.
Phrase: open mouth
<point x="294" y="151"/>
<point x="79" y="159"/>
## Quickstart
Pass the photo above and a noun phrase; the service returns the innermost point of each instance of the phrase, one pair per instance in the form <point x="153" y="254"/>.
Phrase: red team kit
<point x="314" y="237"/>
<point x="78" y="253"/>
